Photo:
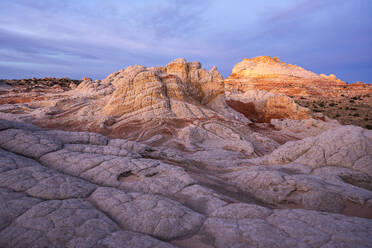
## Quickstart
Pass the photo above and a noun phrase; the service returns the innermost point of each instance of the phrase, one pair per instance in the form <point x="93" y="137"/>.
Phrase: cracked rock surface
<point x="62" y="190"/>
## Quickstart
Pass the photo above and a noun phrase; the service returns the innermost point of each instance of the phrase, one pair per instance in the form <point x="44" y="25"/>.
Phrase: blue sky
<point x="93" y="38"/>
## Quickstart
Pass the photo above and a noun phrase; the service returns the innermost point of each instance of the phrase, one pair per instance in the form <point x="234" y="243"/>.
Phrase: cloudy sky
<point x="93" y="38"/>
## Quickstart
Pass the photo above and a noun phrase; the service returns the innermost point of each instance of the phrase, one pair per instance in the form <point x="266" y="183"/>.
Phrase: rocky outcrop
<point x="270" y="74"/>
<point x="348" y="103"/>
<point x="135" y="98"/>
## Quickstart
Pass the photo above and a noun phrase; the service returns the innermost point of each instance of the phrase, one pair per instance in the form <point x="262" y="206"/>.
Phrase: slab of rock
<point x="69" y="223"/>
<point x="149" y="214"/>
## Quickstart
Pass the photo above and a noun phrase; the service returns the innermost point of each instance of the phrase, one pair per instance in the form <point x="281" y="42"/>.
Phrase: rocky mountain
<point x="175" y="156"/>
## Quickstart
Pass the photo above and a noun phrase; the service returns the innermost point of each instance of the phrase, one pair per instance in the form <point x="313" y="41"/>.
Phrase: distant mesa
<point x="268" y="67"/>
<point x="270" y="74"/>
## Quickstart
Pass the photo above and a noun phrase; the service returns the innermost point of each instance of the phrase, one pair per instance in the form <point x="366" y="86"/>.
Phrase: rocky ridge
<point x="175" y="156"/>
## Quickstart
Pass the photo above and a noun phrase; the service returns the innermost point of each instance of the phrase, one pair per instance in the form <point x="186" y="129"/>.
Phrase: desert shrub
<point x="369" y="126"/>
<point x="332" y="104"/>
<point x="347" y="108"/>
<point x="321" y="104"/>
<point x="342" y="95"/>
<point x="366" y="119"/>
<point x="356" y="115"/>
<point x="338" y="115"/>
<point x="352" y="101"/>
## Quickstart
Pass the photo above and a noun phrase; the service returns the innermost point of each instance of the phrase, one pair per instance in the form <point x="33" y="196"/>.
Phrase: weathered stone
<point x="149" y="214"/>
<point x="178" y="154"/>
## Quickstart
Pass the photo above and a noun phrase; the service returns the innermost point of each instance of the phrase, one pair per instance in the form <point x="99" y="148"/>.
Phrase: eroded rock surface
<point x="176" y="157"/>
<point x="67" y="189"/>
<point x="264" y="106"/>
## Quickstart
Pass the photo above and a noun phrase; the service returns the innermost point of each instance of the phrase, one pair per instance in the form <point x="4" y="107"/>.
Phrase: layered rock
<point x="270" y="74"/>
<point x="174" y="157"/>
<point x="348" y="103"/>
<point x="262" y="106"/>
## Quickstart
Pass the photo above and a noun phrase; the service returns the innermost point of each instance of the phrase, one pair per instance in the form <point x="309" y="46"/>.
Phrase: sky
<point x="93" y="38"/>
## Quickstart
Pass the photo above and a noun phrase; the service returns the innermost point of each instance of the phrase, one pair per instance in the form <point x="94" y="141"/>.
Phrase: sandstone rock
<point x="342" y="146"/>
<point x="149" y="214"/>
<point x="202" y="199"/>
<point x="266" y="73"/>
<point x="263" y="106"/>
<point x="160" y="157"/>
<point x="241" y="211"/>
<point x="320" y="93"/>
<point x="68" y="223"/>
<point x="25" y="175"/>
<point x="28" y="143"/>
<point x="142" y="175"/>
<point x="12" y="205"/>
<point x="179" y="67"/>
<point x="44" y="200"/>
<point x="314" y="189"/>
<point x="304" y="128"/>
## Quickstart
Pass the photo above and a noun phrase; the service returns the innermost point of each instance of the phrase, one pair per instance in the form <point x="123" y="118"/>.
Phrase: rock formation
<point x="270" y="74"/>
<point x="263" y="106"/>
<point x="175" y="156"/>
<point x="348" y="103"/>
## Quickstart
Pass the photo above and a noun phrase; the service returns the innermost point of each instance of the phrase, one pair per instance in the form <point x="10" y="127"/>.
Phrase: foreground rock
<point x="67" y="189"/>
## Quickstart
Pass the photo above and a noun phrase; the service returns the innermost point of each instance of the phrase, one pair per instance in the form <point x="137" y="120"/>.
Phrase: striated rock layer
<point x="270" y="74"/>
<point x="348" y="103"/>
<point x="175" y="157"/>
